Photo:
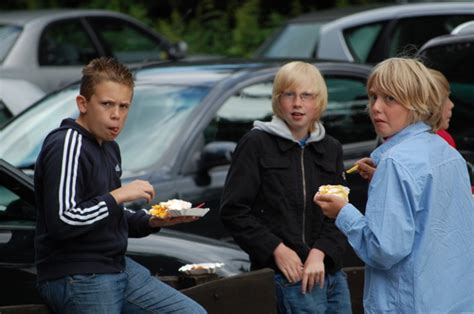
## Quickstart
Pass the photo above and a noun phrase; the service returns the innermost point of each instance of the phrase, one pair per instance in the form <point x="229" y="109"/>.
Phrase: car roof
<point x="400" y="11"/>
<point x="446" y="40"/>
<point x="200" y="72"/>
<point x="23" y="17"/>
<point x="464" y="28"/>
<point x="208" y="72"/>
<point x="331" y="14"/>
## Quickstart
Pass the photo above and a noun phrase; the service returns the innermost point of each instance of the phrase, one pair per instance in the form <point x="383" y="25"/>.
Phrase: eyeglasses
<point x="291" y="96"/>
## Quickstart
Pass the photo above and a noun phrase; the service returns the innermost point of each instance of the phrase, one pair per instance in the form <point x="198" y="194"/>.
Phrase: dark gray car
<point x="186" y="119"/>
<point x="453" y="55"/>
<point x="162" y="253"/>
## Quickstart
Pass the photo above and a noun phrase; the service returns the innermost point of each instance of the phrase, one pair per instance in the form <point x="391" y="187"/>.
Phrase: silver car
<point x="15" y="96"/>
<point x="48" y="48"/>
<point x="369" y="36"/>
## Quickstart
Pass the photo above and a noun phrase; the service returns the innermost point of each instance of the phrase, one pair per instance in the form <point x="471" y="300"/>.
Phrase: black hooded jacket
<point x="80" y="227"/>
<point x="268" y="197"/>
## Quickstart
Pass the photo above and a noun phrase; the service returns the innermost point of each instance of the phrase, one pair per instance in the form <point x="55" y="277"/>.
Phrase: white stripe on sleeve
<point x="68" y="212"/>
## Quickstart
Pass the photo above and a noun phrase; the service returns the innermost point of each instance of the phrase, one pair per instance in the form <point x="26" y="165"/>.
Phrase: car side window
<point x="346" y="116"/>
<point x="361" y="39"/>
<point x="66" y="43"/>
<point x="5" y="113"/>
<point x="127" y="42"/>
<point x="410" y="34"/>
<point x="17" y="226"/>
<point x="237" y="114"/>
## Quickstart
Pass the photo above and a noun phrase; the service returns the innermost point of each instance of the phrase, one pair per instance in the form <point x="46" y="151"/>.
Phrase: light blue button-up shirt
<point x="417" y="235"/>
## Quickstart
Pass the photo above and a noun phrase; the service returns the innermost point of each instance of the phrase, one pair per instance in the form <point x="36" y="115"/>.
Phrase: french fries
<point x="353" y="169"/>
<point x="159" y="210"/>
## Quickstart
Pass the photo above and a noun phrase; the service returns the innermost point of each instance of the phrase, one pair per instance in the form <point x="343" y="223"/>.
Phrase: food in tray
<point x="176" y="208"/>
<point x="158" y="210"/>
<point x="200" y="268"/>
<point x="164" y="209"/>
<point x="339" y="190"/>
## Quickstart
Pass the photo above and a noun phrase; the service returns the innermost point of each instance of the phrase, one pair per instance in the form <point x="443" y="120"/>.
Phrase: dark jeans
<point x="334" y="297"/>
<point x="132" y="291"/>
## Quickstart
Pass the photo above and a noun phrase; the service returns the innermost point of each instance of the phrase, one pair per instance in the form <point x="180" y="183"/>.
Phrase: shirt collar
<point x="404" y="134"/>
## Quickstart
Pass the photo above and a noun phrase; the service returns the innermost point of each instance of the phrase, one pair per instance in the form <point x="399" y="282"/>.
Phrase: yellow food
<point x="353" y="169"/>
<point x="339" y="190"/>
<point x="159" y="210"/>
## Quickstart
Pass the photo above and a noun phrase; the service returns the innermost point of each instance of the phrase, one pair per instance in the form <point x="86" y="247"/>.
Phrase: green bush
<point x="233" y="28"/>
<point x="235" y="32"/>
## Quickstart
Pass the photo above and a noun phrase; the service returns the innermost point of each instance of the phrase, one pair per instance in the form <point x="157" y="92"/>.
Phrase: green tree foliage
<point x="210" y="27"/>
<point x="244" y="36"/>
<point x="236" y="31"/>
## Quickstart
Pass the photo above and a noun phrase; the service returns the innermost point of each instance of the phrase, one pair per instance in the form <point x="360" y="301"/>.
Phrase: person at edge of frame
<point x="417" y="234"/>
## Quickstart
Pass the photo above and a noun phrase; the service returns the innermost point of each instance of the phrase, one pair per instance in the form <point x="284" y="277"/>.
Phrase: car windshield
<point x="157" y="110"/>
<point x="305" y="36"/>
<point x="8" y="36"/>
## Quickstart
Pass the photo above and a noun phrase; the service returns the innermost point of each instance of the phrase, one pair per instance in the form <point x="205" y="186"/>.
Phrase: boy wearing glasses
<point x="267" y="201"/>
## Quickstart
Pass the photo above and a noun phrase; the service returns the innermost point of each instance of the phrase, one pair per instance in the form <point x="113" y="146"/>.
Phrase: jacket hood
<point x="279" y="128"/>
<point x="70" y="123"/>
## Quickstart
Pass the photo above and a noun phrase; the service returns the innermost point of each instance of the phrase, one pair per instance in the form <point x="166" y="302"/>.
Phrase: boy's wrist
<point x="117" y="196"/>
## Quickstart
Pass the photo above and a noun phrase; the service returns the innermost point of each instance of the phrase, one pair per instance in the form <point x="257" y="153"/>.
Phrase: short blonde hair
<point x="412" y="85"/>
<point x="444" y="90"/>
<point x="298" y="73"/>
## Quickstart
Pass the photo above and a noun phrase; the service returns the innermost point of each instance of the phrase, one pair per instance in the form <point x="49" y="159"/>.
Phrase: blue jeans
<point x="334" y="297"/>
<point x="131" y="291"/>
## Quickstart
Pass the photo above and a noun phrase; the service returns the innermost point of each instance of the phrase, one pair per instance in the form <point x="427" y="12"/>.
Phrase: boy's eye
<point x="389" y="98"/>
<point x="307" y="96"/>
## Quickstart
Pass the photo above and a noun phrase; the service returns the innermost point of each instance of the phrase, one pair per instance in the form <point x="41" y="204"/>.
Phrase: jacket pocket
<point x="274" y="163"/>
<point x="328" y="166"/>
<point x="276" y="179"/>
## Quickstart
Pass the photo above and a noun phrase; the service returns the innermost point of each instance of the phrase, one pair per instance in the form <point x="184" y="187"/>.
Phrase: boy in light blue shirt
<point x="417" y="234"/>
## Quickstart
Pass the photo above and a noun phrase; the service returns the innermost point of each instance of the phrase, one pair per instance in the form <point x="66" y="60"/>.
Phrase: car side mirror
<point x="178" y="50"/>
<point x="216" y="154"/>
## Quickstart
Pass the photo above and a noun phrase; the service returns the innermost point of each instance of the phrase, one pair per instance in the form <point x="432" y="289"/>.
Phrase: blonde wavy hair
<point x="298" y="73"/>
<point x="412" y="85"/>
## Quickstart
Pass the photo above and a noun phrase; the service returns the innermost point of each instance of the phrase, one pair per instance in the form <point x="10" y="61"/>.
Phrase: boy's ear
<point x="81" y="102"/>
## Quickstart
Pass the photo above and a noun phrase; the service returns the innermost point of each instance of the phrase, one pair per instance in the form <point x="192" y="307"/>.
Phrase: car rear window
<point x="8" y="36"/>
<point x="305" y="36"/>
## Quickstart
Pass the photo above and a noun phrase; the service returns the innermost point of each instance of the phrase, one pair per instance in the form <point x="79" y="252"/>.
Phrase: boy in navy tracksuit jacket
<point x="83" y="227"/>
